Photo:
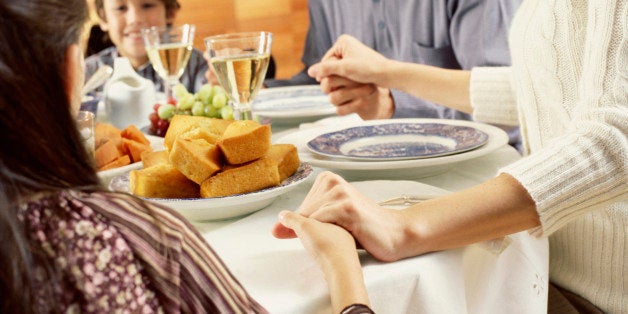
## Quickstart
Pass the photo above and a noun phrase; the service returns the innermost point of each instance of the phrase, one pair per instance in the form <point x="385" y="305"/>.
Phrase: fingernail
<point x="313" y="71"/>
<point x="282" y="214"/>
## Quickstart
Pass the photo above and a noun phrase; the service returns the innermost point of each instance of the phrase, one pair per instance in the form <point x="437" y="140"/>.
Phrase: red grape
<point x="156" y="107"/>
<point x="154" y="118"/>
<point x="162" y="127"/>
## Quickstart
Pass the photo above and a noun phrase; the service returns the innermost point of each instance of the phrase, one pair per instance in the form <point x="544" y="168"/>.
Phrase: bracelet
<point x="357" y="308"/>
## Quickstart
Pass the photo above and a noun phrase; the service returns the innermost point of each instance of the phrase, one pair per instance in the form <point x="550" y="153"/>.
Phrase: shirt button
<point x="381" y="25"/>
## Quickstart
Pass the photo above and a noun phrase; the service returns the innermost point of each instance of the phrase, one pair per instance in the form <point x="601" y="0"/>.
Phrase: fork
<point x="403" y="200"/>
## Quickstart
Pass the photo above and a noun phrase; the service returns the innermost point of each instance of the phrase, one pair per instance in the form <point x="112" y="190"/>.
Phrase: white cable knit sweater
<point x="568" y="89"/>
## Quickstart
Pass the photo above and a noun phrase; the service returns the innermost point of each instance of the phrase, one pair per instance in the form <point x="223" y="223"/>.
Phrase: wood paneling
<point x="286" y="19"/>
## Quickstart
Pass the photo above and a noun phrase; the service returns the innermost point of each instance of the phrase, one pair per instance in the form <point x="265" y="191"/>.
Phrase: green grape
<point x="218" y="89"/>
<point x="198" y="109"/>
<point x="179" y="91"/>
<point x="186" y="102"/>
<point x="166" y="111"/>
<point x="219" y="101"/>
<point x="205" y="94"/>
<point x="226" y="112"/>
<point x="211" y="112"/>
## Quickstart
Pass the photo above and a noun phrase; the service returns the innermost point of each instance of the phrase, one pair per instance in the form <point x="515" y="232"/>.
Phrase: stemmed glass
<point x="169" y="49"/>
<point x="240" y="61"/>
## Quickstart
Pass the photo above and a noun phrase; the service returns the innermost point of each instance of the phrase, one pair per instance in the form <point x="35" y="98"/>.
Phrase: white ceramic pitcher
<point x="128" y="97"/>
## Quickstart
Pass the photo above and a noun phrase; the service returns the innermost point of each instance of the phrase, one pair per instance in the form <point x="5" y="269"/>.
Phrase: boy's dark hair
<point x="171" y="7"/>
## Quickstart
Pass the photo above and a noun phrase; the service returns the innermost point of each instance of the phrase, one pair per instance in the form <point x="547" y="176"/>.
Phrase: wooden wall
<point x="286" y="19"/>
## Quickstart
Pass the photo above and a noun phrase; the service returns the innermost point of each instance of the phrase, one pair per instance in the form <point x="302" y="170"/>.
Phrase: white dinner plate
<point x="398" y="141"/>
<point x="293" y="104"/>
<point x="218" y="208"/>
<point x="411" y="168"/>
<point x="156" y="142"/>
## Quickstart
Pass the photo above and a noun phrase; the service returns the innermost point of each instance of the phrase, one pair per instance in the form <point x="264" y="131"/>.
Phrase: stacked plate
<point x="400" y="148"/>
<point x="293" y="105"/>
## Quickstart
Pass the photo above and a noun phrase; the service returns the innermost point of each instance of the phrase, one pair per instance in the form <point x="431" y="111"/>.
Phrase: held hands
<point x="335" y="252"/>
<point x="323" y="241"/>
<point x="331" y="199"/>
<point x="349" y="74"/>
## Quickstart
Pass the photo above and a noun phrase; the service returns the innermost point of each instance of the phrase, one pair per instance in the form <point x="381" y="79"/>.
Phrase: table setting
<point x="494" y="276"/>
<point x="396" y="162"/>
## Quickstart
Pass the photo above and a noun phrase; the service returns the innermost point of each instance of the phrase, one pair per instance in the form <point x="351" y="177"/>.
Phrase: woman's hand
<point x="331" y="199"/>
<point x="350" y="59"/>
<point x="334" y="250"/>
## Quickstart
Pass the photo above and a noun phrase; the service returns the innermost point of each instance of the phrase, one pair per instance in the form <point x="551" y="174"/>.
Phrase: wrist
<point x="389" y="75"/>
<point x="387" y="103"/>
<point x="343" y="274"/>
<point x="416" y="234"/>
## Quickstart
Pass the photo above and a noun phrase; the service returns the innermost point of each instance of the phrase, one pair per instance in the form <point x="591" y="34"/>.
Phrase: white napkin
<point x="332" y="121"/>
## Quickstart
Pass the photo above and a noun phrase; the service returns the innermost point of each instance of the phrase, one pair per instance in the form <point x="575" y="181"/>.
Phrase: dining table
<point x="506" y="275"/>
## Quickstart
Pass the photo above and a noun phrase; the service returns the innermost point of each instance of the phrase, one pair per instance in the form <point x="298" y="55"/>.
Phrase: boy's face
<point x="123" y="21"/>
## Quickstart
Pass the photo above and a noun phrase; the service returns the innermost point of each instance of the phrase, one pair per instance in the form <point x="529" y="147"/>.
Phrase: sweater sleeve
<point x="492" y="96"/>
<point x="586" y="168"/>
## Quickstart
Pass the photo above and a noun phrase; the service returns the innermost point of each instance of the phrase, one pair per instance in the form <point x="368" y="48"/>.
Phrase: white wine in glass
<point x="240" y="62"/>
<point x="169" y="49"/>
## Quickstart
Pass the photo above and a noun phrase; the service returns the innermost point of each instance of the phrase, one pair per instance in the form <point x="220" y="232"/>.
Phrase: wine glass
<point x="240" y="61"/>
<point x="169" y="49"/>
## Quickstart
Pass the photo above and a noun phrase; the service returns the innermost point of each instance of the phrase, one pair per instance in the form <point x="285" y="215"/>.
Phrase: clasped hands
<point x="334" y="213"/>
<point x="349" y="72"/>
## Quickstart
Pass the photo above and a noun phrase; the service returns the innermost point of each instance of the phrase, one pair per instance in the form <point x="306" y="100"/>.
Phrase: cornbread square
<point x="254" y="176"/>
<point x="286" y="157"/>
<point x="244" y="141"/>
<point x="196" y="159"/>
<point x="200" y="133"/>
<point x="152" y="158"/>
<point x="183" y="123"/>
<point x="161" y="181"/>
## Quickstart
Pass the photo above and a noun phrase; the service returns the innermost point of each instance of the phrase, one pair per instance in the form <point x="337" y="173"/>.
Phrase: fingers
<point x="280" y="231"/>
<point x="318" y="195"/>
<point x="351" y="92"/>
<point x="315" y="198"/>
<point x="291" y="220"/>
<point x="292" y="225"/>
<point x="327" y="68"/>
<point x="334" y="82"/>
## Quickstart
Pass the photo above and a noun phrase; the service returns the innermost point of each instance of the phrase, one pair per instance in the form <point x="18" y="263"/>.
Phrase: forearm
<point x="446" y="87"/>
<point x="344" y="278"/>
<point x="491" y="210"/>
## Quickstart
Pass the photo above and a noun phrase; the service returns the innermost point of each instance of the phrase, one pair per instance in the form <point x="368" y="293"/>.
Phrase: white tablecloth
<point x="475" y="279"/>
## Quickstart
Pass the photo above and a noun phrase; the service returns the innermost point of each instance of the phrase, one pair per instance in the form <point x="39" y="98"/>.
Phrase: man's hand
<point x="367" y="100"/>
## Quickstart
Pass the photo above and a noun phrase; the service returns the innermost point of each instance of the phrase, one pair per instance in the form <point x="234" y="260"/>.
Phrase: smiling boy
<point x="123" y="20"/>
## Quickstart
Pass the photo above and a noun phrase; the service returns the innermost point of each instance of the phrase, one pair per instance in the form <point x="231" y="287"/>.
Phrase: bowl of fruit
<point x="209" y="101"/>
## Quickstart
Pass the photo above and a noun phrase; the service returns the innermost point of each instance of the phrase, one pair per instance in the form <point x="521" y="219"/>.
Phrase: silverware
<point x="403" y="200"/>
<point x="98" y="78"/>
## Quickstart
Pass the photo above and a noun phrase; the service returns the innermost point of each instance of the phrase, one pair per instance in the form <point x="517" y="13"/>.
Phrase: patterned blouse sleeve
<point x="186" y="273"/>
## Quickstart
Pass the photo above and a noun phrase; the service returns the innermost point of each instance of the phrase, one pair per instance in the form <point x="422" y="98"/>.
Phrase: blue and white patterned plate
<point x="398" y="141"/>
<point x="218" y="208"/>
<point x="293" y="104"/>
